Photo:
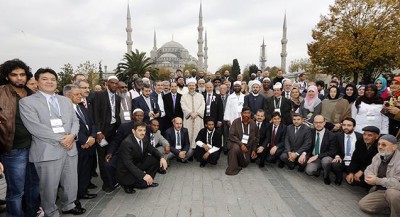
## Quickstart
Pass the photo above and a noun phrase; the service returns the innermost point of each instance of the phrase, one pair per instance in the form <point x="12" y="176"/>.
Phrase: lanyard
<point x="48" y="105"/>
<point x="212" y="134"/>
<point x="126" y="104"/>
<point x="248" y="129"/>
<point x="278" y="104"/>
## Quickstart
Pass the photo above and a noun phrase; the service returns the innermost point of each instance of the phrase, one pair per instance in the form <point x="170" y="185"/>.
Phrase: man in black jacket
<point x="208" y="144"/>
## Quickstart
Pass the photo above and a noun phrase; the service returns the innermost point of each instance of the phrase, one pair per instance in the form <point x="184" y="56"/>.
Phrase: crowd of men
<point x="51" y="144"/>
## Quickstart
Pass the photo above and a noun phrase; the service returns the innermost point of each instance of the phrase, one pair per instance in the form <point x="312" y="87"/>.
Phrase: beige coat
<point x="193" y="103"/>
<point x="392" y="179"/>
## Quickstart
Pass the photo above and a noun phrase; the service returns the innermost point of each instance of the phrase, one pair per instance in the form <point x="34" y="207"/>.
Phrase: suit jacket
<point x="102" y="111"/>
<point x="279" y="140"/>
<point x="140" y="102"/>
<point x="299" y="142"/>
<point x="170" y="112"/>
<point x="262" y="132"/>
<point x="285" y="108"/>
<point x="122" y="132"/>
<point x="85" y="132"/>
<point x="35" y="115"/>
<point x="362" y="157"/>
<point x="130" y="156"/>
<point x="254" y="102"/>
<point x="171" y="138"/>
<point x="216" y="138"/>
<point x="327" y="146"/>
<point x="216" y="108"/>
<point x="340" y="146"/>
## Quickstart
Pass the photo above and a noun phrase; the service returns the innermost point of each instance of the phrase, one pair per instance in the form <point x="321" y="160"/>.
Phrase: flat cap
<point x="371" y="129"/>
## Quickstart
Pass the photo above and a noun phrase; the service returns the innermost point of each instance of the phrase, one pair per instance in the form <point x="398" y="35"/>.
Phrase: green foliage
<point x="90" y="71"/>
<point x="225" y="67"/>
<point x="190" y="67"/>
<point x="65" y="76"/>
<point x="253" y="69"/>
<point x="235" y="69"/>
<point x="135" y="62"/>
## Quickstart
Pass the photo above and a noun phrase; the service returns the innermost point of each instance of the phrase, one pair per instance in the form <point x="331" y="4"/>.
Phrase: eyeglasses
<point x="84" y="87"/>
<point x="123" y="87"/>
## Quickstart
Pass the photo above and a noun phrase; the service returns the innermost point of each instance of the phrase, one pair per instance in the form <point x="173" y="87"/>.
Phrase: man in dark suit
<point x="254" y="100"/>
<point x="85" y="143"/>
<point x="172" y="105"/>
<point x="214" y="106"/>
<point x="208" y="144"/>
<point x="147" y="103"/>
<point x="280" y="104"/>
<point x="138" y="161"/>
<point x="322" y="151"/>
<point x="362" y="156"/>
<point x="297" y="143"/>
<point x="346" y="144"/>
<point x="178" y="139"/>
<point x="106" y="111"/>
<point x="273" y="144"/>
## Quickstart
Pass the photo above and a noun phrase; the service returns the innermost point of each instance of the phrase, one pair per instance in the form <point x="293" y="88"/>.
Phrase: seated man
<point x="242" y="141"/>
<point x="208" y="144"/>
<point x="297" y="143"/>
<point x="323" y="150"/>
<point x="273" y="145"/>
<point x="384" y="175"/>
<point x="362" y="156"/>
<point x="138" y="161"/>
<point x="178" y="139"/>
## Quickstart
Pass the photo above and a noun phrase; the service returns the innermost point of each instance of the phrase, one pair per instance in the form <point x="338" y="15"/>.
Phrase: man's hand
<point x="302" y="159"/>
<point x="350" y="178"/>
<point x="148" y="179"/>
<point x="292" y="156"/>
<point x="67" y="141"/>
<point x="337" y="160"/>
<point x="151" y="114"/>
<point x="337" y="127"/>
<point x="358" y="175"/>
<point x="219" y="124"/>
<point x="253" y="155"/>
<point x="260" y="150"/>
<point x="206" y="148"/>
<point x="99" y="137"/>
<point x="182" y="154"/>
<point x="371" y="179"/>
<point x="193" y="115"/>
<point x="273" y="150"/>
<point x="91" y="141"/>
<point x="163" y="163"/>
<point x="1" y="168"/>
<point x="229" y="123"/>
<point x="167" y="149"/>
<point x="312" y="159"/>
<point x="244" y="148"/>
<point x="108" y="157"/>
<point x="206" y="155"/>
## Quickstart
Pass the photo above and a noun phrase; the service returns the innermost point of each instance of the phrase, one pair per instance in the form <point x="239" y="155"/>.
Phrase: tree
<point x="358" y="38"/>
<point x="300" y="65"/>
<point x="253" y="69"/>
<point x="235" y="69"/>
<point x="90" y="71"/>
<point x="65" y="76"/>
<point x="225" y="67"/>
<point x="134" y="62"/>
<point x="190" y="67"/>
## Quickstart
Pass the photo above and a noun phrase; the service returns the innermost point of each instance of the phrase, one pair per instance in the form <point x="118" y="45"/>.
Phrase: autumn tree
<point x="190" y="67"/>
<point x="358" y="38"/>
<point x="90" y="71"/>
<point x="65" y="76"/>
<point x="133" y="62"/>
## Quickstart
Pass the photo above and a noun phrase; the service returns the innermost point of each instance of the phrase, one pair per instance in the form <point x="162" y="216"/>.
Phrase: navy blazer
<point x="279" y="137"/>
<point x="170" y="136"/>
<point x="102" y="111"/>
<point x="85" y="132"/>
<point x="299" y="142"/>
<point x="340" y="148"/>
<point x="139" y="102"/>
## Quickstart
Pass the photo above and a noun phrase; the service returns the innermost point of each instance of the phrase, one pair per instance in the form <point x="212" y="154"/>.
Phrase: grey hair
<point x="68" y="88"/>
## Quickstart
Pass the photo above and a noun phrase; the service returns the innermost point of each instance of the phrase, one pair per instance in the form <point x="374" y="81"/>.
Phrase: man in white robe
<point x="234" y="104"/>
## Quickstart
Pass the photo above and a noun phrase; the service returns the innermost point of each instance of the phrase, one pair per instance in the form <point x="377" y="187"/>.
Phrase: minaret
<point x="153" y="53"/>
<point x="129" y="32"/>
<point x="263" y="58"/>
<point x="284" y="42"/>
<point x="205" y="52"/>
<point x="200" y="54"/>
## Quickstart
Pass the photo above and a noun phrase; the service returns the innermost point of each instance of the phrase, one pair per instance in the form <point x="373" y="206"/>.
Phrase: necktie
<point x="277" y="103"/>
<point x="209" y="99"/>
<point x="112" y="100"/>
<point x="295" y="131"/>
<point x="287" y="95"/>
<point x="316" y="148"/>
<point x="152" y="139"/>
<point x="209" y="137"/>
<point x="141" y="145"/>
<point x="348" y="146"/>
<point x="54" y="106"/>
<point x="84" y="103"/>
<point x="273" y="137"/>
<point x="80" y="113"/>
<point x="223" y="98"/>
<point x="178" y="135"/>
<point x="173" y="100"/>
<point x="258" y="125"/>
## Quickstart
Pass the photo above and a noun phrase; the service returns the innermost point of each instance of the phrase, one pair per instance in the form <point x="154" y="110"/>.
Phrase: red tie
<point x="84" y="103"/>
<point x="273" y="137"/>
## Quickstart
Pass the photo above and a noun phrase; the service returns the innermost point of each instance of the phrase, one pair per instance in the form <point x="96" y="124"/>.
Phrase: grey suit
<point x="299" y="142"/>
<point x="54" y="164"/>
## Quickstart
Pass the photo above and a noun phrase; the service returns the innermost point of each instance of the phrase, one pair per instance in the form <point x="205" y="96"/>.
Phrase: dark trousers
<point x="149" y="164"/>
<point x="266" y="156"/>
<point x="101" y="153"/>
<point x="225" y="130"/>
<point x="111" y="168"/>
<point x="85" y="165"/>
<point x="285" y="159"/>
<point x="212" y="158"/>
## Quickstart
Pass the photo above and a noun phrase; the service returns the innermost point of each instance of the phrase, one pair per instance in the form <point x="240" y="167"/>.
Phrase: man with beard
<point x="287" y="88"/>
<point x="137" y="84"/>
<point x="201" y="86"/>
<point x="214" y="106"/>
<point x="200" y="76"/>
<point x="278" y="78"/>
<point x="217" y="85"/>
<point x="208" y="144"/>
<point x="280" y="104"/>
<point x="193" y="107"/>
<point x="157" y="94"/>
<point x="167" y="87"/>
<point x="384" y="175"/>
<point x="181" y="85"/>
<point x="243" y="140"/>
<point x="147" y="103"/>
<point x="346" y="144"/>
<point x="15" y="141"/>
<point x="126" y="102"/>
<point x="362" y="156"/>
<point x="266" y="91"/>
<point x="254" y="100"/>
<point x="234" y="104"/>
<point x="172" y="105"/>
<point x="227" y="76"/>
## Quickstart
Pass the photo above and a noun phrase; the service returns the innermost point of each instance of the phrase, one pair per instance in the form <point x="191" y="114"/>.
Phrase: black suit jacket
<point x="216" y="109"/>
<point x="170" y="112"/>
<point x="327" y="147"/>
<point x="262" y="132"/>
<point x="131" y="155"/>
<point x="300" y="142"/>
<point x="285" y="108"/>
<point x="254" y="102"/>
<point x="362" y="157"/>
<point x="170" y="136"/>
<point x="139" y="102"/>
<point x="85" y="132"/>
<point x="102" y="111"/>
<point x="340" y="146"/>
<point x="279" y="137"/>
<point x="122" y="132"/>
<point x="216" y="138"/>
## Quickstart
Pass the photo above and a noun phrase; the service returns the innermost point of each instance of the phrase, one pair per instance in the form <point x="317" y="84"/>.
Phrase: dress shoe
<point x="202" y="164"/>
<point x="301" y="169"/>
<point x="261" y="165"/>
<point x="88" y="196"/>
<point x="190" y="159"/>
<point x="78" y="203"/>
<point x="155" y="184"/>
<point x="129" y="190"/>
<point x="327" y="181"/>
<point x="338" y="181"/>
<point x="75" y="211"/>
<point x="92" y="186"/>
<point x="291" y="167"/>
<point x="2" y="202"/>
<point x="161" y="170"/>
<point x="281" y="164"/>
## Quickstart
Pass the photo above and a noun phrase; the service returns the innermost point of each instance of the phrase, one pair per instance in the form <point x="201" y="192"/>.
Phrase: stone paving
<point x="188" y="190"/>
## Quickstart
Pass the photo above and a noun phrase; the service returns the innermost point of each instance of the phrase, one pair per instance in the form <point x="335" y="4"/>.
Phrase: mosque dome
<point x="172" y="44"/>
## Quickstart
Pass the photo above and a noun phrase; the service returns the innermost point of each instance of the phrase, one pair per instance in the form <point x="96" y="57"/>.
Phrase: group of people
<point x="50" y="141"/>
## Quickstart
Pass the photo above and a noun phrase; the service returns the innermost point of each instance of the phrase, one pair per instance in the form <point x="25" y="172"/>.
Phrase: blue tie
<point x="54" y="106"/>
<point x="348" y="146"/>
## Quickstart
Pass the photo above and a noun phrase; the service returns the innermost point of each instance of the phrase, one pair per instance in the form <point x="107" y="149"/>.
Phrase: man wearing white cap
<point x="234" y="104"/>
<point x="266" y="91"/>
<point x="193" y="107"/>
<point x="384" y="174"/>
<point x="280" y="104"/>
<point x="254" y="100"/>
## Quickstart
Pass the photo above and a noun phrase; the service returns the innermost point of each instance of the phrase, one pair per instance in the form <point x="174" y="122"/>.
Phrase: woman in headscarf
<point x="361" y="90"/>
<point x="311" y="105"/>
<point x="383" y="91"/>
<point x="367" y="111"/>
<point x="350" y="93"/>
<point x="335" y="109"/>
<point x="296" y="100"/>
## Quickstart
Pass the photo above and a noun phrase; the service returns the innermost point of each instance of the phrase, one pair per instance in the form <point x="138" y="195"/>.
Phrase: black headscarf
<point x="353" y="97"/>
<point x="369" y="100"/>
<point x="337" y="92"/>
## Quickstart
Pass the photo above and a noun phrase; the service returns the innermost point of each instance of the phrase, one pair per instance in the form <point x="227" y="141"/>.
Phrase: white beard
<point x="202" y="89"/>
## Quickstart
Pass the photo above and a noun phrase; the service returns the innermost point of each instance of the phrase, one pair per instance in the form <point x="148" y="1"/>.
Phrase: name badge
<point x="240" y="106"/>
<point x="347" y="162"/>
<point x="277" y="110"/>
<point x="208" y="110"/>
<point x="370" y="117"/>
<point x="245" y="139"/>
<point x="179" y="147"/>
<point x="127" y="116"/>
<point x="57" y="125"/>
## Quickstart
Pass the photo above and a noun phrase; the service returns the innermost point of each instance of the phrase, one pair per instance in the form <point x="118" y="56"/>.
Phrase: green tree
<point x="358" y="39"/>
<point x="190" y="67"/>
<point x="235" y="69"/>
<point x="90" y="70"/>
<point x="225" y="67"/>
<point x="134" y="62"/>
<point x="253" y="69"/>
<point x="65" y="76"/>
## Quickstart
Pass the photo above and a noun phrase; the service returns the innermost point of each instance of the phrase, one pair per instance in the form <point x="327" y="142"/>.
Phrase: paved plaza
<point x="188" y="190"/>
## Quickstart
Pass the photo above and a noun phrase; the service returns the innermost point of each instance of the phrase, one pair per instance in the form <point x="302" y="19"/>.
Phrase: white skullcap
<point x="112" y="77"/>
<point x="146" y="79"/>
<point x="237" y="82"/>
<point x="266" y="78"/>
<point x="277" y="85"/>
<point x="256" y="82"/>
<point x="191" y="80"/>
<point x="137" y="110"/>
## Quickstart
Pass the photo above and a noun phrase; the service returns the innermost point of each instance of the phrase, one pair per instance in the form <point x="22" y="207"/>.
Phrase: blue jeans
<point x="22" y="180"/>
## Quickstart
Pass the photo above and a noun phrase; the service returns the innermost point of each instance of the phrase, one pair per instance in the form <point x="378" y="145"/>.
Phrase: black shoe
<point x="301" y="169"/>
<point x="281" y="164"/>
<point x="78" y="203"/>
<point x="75" y="211"/>
<point x="88" y="196"/>
<point x="202" y="164"/>
<point x="129" y="190"/>
<point x="327" y="181"/>
<point x="2" y="202"/>
<point x="291" y="167"/>
<point x="338" y="181"/>
<point x="261" y="165"/>
<point x="92" y="186"/>
<point x="155" y="184"/>
<point x="190" y="159"/>
<point x="112" y="189"/>
<point x="161" y="170"/>
<point x="95" y="174"/>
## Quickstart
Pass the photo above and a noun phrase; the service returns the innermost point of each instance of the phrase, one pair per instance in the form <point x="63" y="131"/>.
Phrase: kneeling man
<point x="138" y="161"/>
<point x="208" y="144"/>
